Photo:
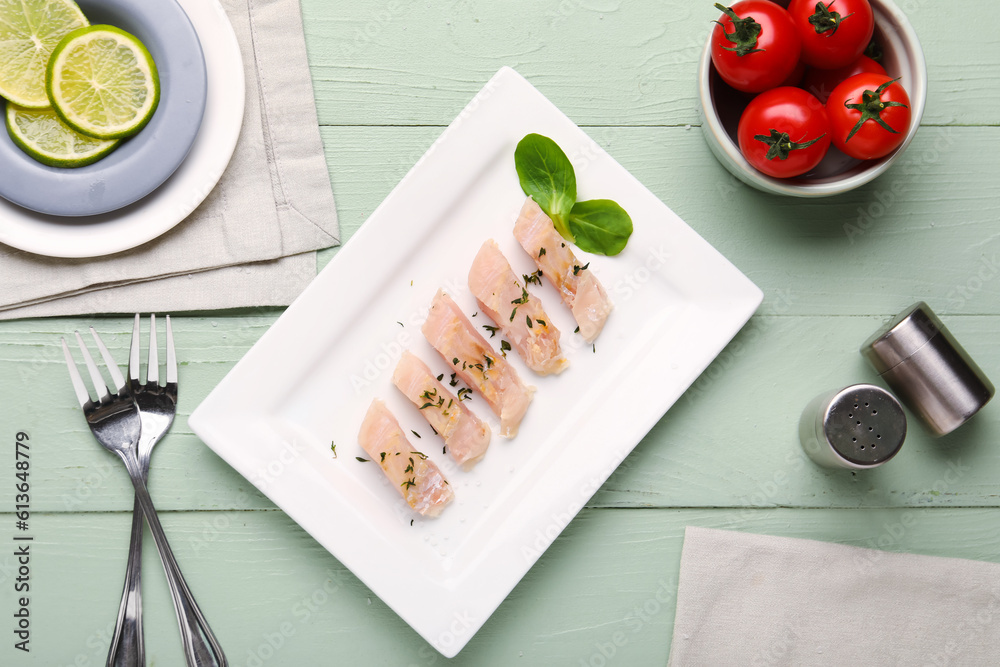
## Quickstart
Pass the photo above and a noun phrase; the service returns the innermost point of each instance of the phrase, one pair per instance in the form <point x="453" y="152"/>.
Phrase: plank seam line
<point x="763" y="508"/>
<point x="614" y="125"/>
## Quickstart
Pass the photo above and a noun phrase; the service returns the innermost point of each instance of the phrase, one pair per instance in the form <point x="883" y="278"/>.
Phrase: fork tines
<point x="103" y="393"/>
<point x="101" y="388"/>
<point x="153" y="361"/>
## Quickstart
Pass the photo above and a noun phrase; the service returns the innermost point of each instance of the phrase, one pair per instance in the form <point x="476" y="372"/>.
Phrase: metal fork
<point x="157" y="405"/>
<point x="115" y="421"/>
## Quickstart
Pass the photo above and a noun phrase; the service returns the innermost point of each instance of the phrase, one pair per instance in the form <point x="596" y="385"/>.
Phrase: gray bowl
<point x="721" y="107"/>
<point x="140" y="164"/>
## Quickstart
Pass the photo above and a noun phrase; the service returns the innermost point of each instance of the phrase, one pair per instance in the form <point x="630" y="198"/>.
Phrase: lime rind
<point x="103" y="82"/>
<point x="41" y="134"/>
<point x="29" y="32"/>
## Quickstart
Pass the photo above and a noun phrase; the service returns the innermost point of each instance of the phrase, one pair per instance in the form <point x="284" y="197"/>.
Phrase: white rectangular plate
<point x="311" y="377"/>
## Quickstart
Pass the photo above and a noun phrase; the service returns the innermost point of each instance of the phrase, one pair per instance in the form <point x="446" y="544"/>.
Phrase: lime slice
<point x="41" y="134"/>
<point x="102" y="82"/>
<point x="29" y="31"/>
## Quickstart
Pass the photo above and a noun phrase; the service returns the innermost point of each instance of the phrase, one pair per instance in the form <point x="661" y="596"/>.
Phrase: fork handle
<point x="200" y="646"/>
<point x="127" y="647"/>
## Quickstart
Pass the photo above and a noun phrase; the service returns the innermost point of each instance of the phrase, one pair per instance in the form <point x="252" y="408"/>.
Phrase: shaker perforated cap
<point x="858" y="427"/>
<point x="928" y="369"/>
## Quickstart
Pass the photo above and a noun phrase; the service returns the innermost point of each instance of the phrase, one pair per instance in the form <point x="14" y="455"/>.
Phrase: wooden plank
<point x="69" y="469"/>
<point x="603" y="62"/>
<point x="727" y="450"/>
<point x="275" y="597"/>
<point x="927" y="229"/>
<point x="731" y="440"/>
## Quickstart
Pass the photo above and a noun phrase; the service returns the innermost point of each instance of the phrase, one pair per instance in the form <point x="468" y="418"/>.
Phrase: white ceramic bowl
<point x="722" y="106"/>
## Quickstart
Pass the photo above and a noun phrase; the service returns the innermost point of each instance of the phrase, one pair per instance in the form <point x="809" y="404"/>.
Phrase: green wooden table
<point x="389" y="75"/>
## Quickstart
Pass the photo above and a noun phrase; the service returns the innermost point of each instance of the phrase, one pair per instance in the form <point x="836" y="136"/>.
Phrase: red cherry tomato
<point x="755" y="45"/>
<point x="821" y="82"/>
<point x="833" y="33"/>
<point x="869" y="115"/>
<point x="784" y="132"/>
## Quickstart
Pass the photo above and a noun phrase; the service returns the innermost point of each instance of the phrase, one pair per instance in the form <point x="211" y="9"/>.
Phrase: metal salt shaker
<point x="928" y="369"/>
<point x="858" y="427"/>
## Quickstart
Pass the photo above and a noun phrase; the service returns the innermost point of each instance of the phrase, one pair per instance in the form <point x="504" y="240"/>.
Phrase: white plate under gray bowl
<point x="721" y="107"/>
<point x="312" y="376"/>
<point x="143" y="162"/>
<point x="187" y="187"/>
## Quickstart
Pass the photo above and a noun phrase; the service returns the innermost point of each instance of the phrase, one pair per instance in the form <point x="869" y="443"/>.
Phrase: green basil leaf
<point x="600" y="226"/>
<point x="547" y="176"/>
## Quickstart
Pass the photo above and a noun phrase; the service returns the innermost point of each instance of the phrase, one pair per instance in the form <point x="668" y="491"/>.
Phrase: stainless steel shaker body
<point x="928" y="369"/>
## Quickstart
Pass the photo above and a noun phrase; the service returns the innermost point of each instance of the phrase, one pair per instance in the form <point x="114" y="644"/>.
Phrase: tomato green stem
<point x="744" y="34"/>
<point x="824" y="19"/>
<point x="874" y="51"/>
<point x="781" y="145"/>
<point x="871" y="108"/>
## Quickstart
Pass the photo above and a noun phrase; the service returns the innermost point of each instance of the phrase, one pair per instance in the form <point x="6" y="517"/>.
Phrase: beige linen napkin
<point x="274" y="201"/>
<point x="747" y="599"/>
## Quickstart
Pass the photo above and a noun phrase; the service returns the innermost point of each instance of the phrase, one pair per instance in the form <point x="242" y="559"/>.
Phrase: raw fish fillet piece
<point x="476" y="363"/>
<point x="464" y="434"/>
<point x="417" y="479"/>
<point x="519" y="315"/>
<point x="578" y="287"/>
